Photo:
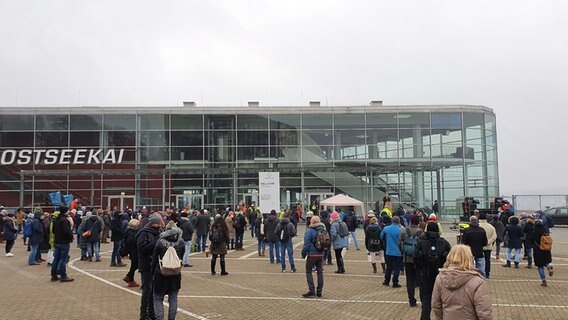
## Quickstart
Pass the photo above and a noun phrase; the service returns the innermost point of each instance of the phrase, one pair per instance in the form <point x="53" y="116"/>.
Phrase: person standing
<point x="229" y="222"/>
<point x="373" y="244"/>
<point x="436" y="207"/>
<point x="272" y="237"/>
<point x="339" y="242"/>
<point x="63" y="234"/>
<point x="285" y="231"/>
<point x="239" y="223"/>
<point x="146" y="239"/>
<point x="10" y="233"/>
<point x="187" y="233"/>
<point x="314" y="258"/>
<point x="491" y="234"/>
<point x="528" y="229"/>
<point x="94" y="225"/>
<point x="514" y="233"/>
<point x="500" y="233"/>
<point x="36" y="237"/>
<point x="430" y="255"/>
<point x="409" y="239"/>
<point x="129" y="242"/>
<point x="351" y="221"/>
<point x="202" y="228"/>
<point x="260" y="233"/>
<point x="542" y="258"/>
<point x="476" y="238"/>
<point x="459" y="291"/>
<point x="20" y="217"/>
<point x="391" y="237"/>
<point x="252" y="216"/>
<point x="166" y="285"/>
<point x="116" y="236"/>
<point x="218" y="236"/>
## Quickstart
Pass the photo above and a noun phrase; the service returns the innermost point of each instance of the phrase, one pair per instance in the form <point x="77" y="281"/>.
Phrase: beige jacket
<point x="490" y="233"/>
<point x="461" y="295"/>
<point x="229" y="223"/>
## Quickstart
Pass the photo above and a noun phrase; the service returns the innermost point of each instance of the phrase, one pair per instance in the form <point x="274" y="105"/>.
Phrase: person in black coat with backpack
<point x="117" y="234"/>
<point x="218" y="236"/>
<point x="542" y="258"/>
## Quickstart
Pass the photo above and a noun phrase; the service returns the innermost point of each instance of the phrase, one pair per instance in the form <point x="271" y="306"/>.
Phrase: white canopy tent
<point x="342" y="200"/>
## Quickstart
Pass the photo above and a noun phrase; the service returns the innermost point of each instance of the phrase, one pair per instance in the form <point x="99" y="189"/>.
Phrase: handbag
<point x="87" y="234"/>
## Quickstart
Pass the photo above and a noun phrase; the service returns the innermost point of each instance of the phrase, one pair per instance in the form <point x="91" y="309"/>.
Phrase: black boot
<point x="516" y="265"/>
<point x="374" y="267"/>
<point x="232" y="244"/>
<point x="223" y="270"/>
<point x="508" y="264"/>
<point x="213" y="263"/>
<point x="529" y="265"/>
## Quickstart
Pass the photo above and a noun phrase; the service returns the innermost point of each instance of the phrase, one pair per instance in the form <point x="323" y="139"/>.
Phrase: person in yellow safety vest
<point x="387" y="209"/>
<point x="281" y="214"/>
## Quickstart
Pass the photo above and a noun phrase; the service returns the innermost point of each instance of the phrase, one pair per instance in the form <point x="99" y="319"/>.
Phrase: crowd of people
<point x="450" y="279"/>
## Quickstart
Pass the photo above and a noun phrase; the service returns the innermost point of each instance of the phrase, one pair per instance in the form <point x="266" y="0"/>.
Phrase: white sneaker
<point x="9" y="254"/>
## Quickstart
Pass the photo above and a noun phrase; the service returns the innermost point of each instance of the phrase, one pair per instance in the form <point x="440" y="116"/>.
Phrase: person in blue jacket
<point x="314" y="258"/>
<point x="391" y="236"/>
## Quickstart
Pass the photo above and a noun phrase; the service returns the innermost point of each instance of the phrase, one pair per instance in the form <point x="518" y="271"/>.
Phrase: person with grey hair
<point x="393" y="256"/>
<point x="476" y="238"/>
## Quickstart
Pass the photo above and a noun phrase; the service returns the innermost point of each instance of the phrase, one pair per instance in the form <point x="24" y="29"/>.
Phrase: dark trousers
<point x="410" y="272"/>
<point x="487" y="255"/>
<point x="318" y="263"/>
<point x="239" y="239"/>
<point x="426" y="289"/>
<point x="133" y="267"/>
<point x="146" y="300"/>
<point x="9" y="245"/>
<point x="394" y="264"/>
<point x="58" y="266"/>
<point x="339" y="260"/>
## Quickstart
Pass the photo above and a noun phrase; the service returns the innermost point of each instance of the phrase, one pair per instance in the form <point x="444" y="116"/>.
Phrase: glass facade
<point x="211" y="157"/>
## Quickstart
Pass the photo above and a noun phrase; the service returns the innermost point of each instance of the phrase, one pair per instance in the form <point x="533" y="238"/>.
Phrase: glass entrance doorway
<point x="194" y="201"/>
<point x="121" y="202"/>
<point x="314" y="199"/>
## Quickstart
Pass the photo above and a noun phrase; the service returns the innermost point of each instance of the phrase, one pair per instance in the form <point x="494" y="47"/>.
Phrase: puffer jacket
<point x="338" y="242"/>
<point x="461" y="295"/>
<point x="229" y="223"/>
<point x="10" y="230"/>
<point x="270" y="227"/>
<point x="170" y="238"/>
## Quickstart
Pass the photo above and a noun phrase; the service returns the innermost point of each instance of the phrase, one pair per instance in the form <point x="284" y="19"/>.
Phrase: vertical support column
<point x="418" y="186"/>
<point x="303" y="190"/>
<point x="235" y="188"/>
<point x="439" y="190"/>
<point x="163" y="191"/>
<point x="22" y="189"/>
<point x="92" y="202"/>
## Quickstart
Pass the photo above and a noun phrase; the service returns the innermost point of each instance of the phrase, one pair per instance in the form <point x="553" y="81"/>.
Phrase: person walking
<point x="187" y="233"/>
<point x="373" y="244"/>
<point x="514" y="233"/>
<point x="314" y="258"/>
<point x="409" y="238"/>
<point x="272" y="238"/>
<point x="63" y="236"/>
<point x="239" y="223"/>
<point x="116" y="236"/>
<point x="542" y="258"/>
<point x="459" y="291"/>
<point x="476" y="238"/>
<point x="166" y="284"/>
<point x="339" y="242"/>
<point x="260" y="233"/>
<point x="352" y="224"/>
<point x="10" y="233"/>
<point x="129" y="242"/>
<point x="285" y="231"/>
<point x="218" y="236"/>
<point x="491" y="234"/>
<point x="146" y="239"/>
<point x="528" y="229"/>
<point x="391" y="237"/>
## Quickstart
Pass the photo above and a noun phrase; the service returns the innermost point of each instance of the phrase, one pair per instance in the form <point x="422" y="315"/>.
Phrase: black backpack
<point x="433" y="253"/>
<point x="217" y="235"/>
<point x="284" y="233"/>
<point x="323" y="241"/>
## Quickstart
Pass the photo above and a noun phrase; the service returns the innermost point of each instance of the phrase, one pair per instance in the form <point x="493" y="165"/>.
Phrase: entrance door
<point x="195" y="201"/>
<point x="250" y="199"/>
<point x="121" y="202"/>
<point x="317" y="197"/>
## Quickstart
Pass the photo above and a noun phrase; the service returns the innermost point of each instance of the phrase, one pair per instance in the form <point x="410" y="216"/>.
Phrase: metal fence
<point x="538" y="202"/>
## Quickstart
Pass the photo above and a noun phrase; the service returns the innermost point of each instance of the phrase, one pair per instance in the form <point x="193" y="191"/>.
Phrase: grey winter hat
<point x="153" y="219"/>
<point x="30" y="216"/>
<point x="396" y="220"/>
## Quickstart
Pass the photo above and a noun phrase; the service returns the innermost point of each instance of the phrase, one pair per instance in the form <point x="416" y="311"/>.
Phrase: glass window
<point x="473" y="120"/>
<point x="349" y="121"/>
<point x="490" y="122"/>
<point x="446" y="121"/>
<point x="316" y="121"/>
<point x="220" y="122"/>
<point x="52" y="122"/>
<point x="153" y="154"/>
<point x="84" y="139"/>
<point x="381" y="120"/>
<point x="16" y="122"/>
<point x="16" y="139"/>
<point x="413" y="120"/>
<point x="153" y="121"/>
<point x="284" y="137"/>
<point x="154" y="138"/>
<point x="120" y="121"/>
<point x="245" y="138"/>
<point x="120" y="138"/>
<point x="245" y="122"/>
<point x="187" y="122"/>
<point x="284" y="121"/>
<point x="317" y="137"/>
<point x="51" y="139"/>
<point x="187" y="153"/>
<point x="187" y="138"/>
<point x="252" y="153"/>
<point x="349" y="137"/>
<point x="83" y="122"/>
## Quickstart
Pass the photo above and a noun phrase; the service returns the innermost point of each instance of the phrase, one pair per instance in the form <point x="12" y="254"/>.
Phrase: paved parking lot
<point x="256" y="289"/>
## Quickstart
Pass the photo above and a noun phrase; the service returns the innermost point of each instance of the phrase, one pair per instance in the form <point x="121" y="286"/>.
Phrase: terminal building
<point x="208" y="156"/>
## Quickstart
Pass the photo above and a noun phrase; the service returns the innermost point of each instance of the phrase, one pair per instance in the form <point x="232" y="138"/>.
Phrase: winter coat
<point x="515" y="233"/>
<point x="129" y="241"/>
<point x="351" y="221"/>
<point x="10" y="230"/>
<point x="528" y="230"/>
<point x="93" y="223"/>
<point x="461" y="295"/>
<point x="171" y="237"/>
<point x="219" y="248"/>
<point x="257" y="223"/>
<point x="117" y="229"/>
<point x="202" y="224"/>
<point x="309" y="248"/>
<point x="428" y="270"/>
<point x="229" y="223"/>
<point x="499" y="229"/>
<point x="186" y="229"/>
<point x="37" y="228"/>
<point x="476" y="239"/>
<point x="338" y="242"/>
<point x="372" y="232"/>
<point x="414" y="231"/>
<point x="285" y="223"/>
<point x="242" y="223"/>
<point x="391" y="236"/>
<point x="270" y="227"/>
<point x="541" y="258"/>
<point x="145" y="242"/>
<point x="62" y="230"/>
<point x="80" y="229"/>
<point x="490" y="233"/>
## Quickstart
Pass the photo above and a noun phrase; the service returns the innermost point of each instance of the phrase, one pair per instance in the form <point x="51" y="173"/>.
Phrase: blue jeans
<point x="96" y="247"/>
<point x="115" y="256"/>
<point x="517" y="254"/>
<point x="186" y="252"/>
<point x="33" y="254"/>
<point x="159" y="304"/>
<point x="541" y="272"/>
<point x="274" y="251"/>
<point x="261" y="245"/>
<point x="60" y="260"/>
<point x="283" y="247"/>
<point x="394" y="264"/>
<point x="354" y="235"/>
<point x="201" y="242"/>
<point x="480" y="265"/>
<point x="487" y="255"/>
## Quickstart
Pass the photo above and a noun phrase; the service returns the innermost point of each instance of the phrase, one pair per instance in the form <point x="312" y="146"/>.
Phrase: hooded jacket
<point x="170" y="238"/>
<point x="10" y="230"/>
<point x="62" y="232"/>
<point x="146" y="242"/>
<point x="309" y="247"/>
<point x="37" y="230"/>
<point x="285" y="223"/>
<point x="270" y="227"/>
<point x="461" y="295"/>
<point x="338" y="241"/>
<point x="476" y="239"/>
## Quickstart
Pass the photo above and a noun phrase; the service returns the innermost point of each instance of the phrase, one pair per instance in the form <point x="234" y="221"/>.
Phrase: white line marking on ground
<point x="71" y="265"/>
<point x="246" y="256"/>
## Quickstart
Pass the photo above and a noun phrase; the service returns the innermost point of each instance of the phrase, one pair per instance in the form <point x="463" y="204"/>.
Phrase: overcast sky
<point x="511" y="56"/>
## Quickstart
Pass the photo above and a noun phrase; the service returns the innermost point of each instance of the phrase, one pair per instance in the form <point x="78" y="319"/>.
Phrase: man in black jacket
<point x="63" y="238"/>
<point x="476" y="238"/>
<point x="202" y="223"/>
<point x="187" y="232"/>
<point x="145" y="242"/>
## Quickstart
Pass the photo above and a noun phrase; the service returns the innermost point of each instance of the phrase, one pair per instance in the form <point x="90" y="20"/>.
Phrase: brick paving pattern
<point x="256" y="289"/>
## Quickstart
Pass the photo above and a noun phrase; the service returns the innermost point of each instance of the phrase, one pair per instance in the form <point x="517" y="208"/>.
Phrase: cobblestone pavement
<point x="256" y="289"/>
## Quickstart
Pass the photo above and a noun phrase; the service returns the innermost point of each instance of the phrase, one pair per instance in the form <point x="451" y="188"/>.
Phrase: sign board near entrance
<point x="61" y="156"/>
<point x="269" y="191"/>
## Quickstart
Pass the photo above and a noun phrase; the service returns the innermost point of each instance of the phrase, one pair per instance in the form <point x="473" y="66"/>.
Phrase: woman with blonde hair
<point x="460" y="291"/>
